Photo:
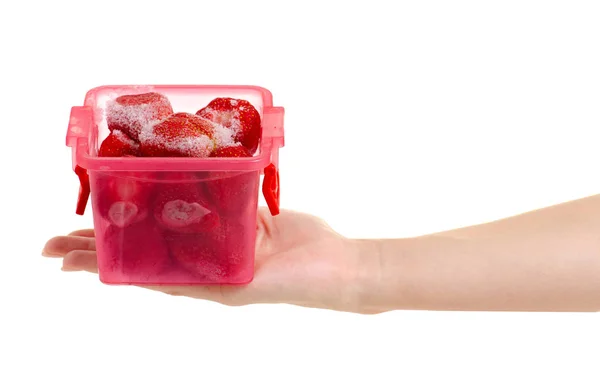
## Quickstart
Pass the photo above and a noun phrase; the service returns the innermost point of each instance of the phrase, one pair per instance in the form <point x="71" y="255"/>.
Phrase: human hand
<point x="300" y="260"/>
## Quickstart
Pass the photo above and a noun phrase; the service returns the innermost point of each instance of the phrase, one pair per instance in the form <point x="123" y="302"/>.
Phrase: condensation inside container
<point x="188" y="100"/>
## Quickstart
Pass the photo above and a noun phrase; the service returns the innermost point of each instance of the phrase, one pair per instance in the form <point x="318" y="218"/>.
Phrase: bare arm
<point x="544" y="260"/>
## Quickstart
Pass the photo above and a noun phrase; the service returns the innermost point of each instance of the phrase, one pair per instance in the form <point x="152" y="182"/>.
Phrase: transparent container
<point x="175" y="220"/>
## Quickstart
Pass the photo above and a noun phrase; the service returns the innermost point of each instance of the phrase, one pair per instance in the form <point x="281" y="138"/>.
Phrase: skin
<point x="542" y="260"/>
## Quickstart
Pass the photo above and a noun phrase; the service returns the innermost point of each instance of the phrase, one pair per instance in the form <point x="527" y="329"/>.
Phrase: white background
<point x="400" y="120"/>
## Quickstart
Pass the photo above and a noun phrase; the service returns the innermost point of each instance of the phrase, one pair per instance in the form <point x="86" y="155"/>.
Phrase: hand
<point x="300" y="260"/>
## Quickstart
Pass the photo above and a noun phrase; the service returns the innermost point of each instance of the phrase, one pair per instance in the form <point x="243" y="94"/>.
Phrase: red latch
<point x="84" y="189"/>
<point x="270" y="188"/>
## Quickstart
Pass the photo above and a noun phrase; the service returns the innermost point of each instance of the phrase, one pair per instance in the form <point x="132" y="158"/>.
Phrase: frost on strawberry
<point x="130" y="113"/>
<point x="180" y="135"/>
<point x="182" y="206"/>
<point x="238" y="115"/>
<point x="123" y="197"/>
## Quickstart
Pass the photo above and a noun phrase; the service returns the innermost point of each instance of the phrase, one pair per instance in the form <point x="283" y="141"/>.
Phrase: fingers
<point x="83" y="233"/>
<point x="60" y="246"/>
<point x="80" y="260"/>
<point x="78" y="250"/>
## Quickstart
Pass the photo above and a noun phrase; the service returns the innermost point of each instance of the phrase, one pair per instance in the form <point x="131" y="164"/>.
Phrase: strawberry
<point x="195" y="254"/>
<point x="233" y="243"/>
<point x="138" y="252"/>
<point x="130" y="113"/>
<point x="232" y="192"/>
<point x="180" y="135"/>
<point x="231" y="151"/>
<point x="224" y="255"/>
<point x="181" y="205"/>
<point x="238" y="115"/>
<point x="118" y="144"/>
<point x="123" y="197"/>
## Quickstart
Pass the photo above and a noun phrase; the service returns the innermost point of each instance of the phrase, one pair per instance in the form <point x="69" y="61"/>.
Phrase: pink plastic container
<point x="175" y="220"/>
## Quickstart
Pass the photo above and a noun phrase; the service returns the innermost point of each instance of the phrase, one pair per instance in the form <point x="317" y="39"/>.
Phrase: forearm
<point x="545" y="260"/>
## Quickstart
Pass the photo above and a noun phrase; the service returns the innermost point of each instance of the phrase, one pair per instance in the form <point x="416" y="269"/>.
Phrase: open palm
<point x="299" y="260"/>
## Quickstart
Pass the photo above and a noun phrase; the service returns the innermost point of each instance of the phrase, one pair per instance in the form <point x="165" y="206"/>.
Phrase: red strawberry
<point x="233" y="243"/>
<point x="231" y="151"/>
<point x="130" y="113"/>
<point x="224" y="255"/>
<point x="138" y="252"/>
<point x="238" y="115"/>
<point x="194" y="252"/>
<point x="232" y="192"/>
<point x="181" y="206"/>
<point x="180" y="135"/>
<point x="118" y="144"/>
<point x="123" y="197"/>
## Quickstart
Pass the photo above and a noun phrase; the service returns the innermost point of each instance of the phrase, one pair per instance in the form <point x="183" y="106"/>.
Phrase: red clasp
<point x="84" y="189"/>
<point x="270" y="188"/>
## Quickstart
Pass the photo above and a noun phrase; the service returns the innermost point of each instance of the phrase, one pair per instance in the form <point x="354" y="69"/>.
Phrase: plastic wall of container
<point x="137" y="242"/>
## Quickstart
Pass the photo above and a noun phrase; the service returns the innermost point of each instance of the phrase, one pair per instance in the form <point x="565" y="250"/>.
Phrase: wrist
<point x="369" y="276"/>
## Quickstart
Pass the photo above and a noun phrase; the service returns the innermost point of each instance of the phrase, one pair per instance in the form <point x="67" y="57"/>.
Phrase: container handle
<point x="84" y="189"/>
<point x="270" y="188"/>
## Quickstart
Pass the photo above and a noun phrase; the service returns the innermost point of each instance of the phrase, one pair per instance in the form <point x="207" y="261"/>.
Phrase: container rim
<point x="82" y="125"/>
<point x="266" y="94"/>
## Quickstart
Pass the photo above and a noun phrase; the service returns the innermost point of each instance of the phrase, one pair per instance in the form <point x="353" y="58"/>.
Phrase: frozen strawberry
<point x="181" y="206"/>
<point x="138" y="251"/>
<point x="180" y="135"/>
<point x="223" y="255"/>
<point x="123" y="197"/>
<point x="233" y="242"/>
<point x="239" y="116"/>
<point x="196" y="254"/>
<point x="233" y="193"/>
<point x="231" y="151"/>
<point x="118" y="144"/>
<point x="130" y="113"/>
